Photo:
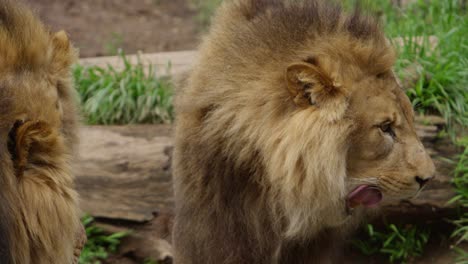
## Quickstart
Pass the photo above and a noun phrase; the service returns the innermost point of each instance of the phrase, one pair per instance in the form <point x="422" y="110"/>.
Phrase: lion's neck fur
<point x="305" y="181"/>
<point x="309" y="182"/>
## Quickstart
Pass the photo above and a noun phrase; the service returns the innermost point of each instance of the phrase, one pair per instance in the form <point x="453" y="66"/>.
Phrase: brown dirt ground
<point x="100" y="27"/>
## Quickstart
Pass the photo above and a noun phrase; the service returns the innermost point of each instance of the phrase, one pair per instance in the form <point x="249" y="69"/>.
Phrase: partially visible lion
<point x="38" y="205"/>
<point x="291" y="124"/>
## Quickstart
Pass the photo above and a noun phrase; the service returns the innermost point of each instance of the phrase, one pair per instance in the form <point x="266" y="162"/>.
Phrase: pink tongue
<point x="365" y="195"/>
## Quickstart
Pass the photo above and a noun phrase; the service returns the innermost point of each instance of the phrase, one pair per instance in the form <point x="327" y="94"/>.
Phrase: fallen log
<point x="123" y="171"/>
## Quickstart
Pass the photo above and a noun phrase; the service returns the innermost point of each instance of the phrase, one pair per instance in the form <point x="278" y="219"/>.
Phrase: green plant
<point x="461" y="185"/>
<point x="399" y="243"/>
<point x="134" y="94"/>
<point x="99" y="244"/>
<point x="443" y="86"/>
<point x="462" y="256"/>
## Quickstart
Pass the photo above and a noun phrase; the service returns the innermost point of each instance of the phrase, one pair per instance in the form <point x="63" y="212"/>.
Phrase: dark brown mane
<point x="272" y="31"/>
<point x="311" y="16"/>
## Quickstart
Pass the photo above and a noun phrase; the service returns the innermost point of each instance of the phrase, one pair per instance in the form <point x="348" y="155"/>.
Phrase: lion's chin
<point x="368" y="196"/>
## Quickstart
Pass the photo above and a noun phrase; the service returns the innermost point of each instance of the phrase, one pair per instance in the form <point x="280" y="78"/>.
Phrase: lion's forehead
<point x="367" y="98"/>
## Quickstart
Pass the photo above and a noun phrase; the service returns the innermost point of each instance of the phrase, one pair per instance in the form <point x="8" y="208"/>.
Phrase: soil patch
<point x="99" y="28"/>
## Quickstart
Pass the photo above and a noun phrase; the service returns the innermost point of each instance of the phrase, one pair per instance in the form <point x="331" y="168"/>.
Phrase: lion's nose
<point x="425" y="169"/>
<point x="422" y="181"/>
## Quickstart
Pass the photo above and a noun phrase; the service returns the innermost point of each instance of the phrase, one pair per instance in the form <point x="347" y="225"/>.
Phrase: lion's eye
<point x="387" y="128"/>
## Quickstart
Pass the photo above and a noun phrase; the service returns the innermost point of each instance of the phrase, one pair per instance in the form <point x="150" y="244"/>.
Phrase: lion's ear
<point x="308" y="84"/>
<point x="61" y="40"/>
<point x="63" y="54"/>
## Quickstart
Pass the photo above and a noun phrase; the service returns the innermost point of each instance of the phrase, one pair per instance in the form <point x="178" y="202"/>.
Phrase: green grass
<point x="398" y="243"/>
<point x="99" y="243"/>
<point x="461" y="184"/>
<point x="443" y="87"/>
<point x="132" y="95"/>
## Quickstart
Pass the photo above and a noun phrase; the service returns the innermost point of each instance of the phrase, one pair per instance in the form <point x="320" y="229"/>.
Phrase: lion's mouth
<point x="364" y="195"/>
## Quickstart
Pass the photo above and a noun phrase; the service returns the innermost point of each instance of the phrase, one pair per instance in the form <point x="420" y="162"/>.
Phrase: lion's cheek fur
<point x="308" y="181"/>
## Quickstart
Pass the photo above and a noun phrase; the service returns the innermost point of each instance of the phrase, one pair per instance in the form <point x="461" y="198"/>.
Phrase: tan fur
<point x="37" y="137"/>
<point x="280" y="119"/>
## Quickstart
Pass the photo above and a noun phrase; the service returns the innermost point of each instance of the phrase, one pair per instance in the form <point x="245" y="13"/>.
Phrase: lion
<point x="291" y="127"/>
<point x="38" y="122"/>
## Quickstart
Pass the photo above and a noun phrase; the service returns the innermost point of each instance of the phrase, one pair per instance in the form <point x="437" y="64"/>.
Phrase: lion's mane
<point x="252" y="171"/>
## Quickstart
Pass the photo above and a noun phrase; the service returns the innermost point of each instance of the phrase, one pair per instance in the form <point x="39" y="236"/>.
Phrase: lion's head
<point x="348" y="96"/>
<point x="384" y="155"/>
<point x="385" y="151"/>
